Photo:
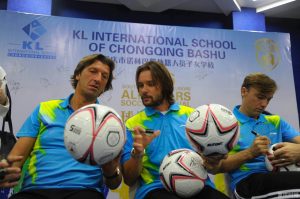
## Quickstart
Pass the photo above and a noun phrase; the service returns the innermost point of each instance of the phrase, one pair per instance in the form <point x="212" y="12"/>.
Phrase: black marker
<point x="254" y="133"/>
<point x="147" y="131"/>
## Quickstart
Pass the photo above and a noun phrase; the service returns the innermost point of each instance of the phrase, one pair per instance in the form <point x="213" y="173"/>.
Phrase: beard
<point x="155" y="101"/>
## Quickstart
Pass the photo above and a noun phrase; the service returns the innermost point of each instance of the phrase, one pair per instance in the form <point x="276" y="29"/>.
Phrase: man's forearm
<point x="234" y="161"/>
<point x="132" y="170"/>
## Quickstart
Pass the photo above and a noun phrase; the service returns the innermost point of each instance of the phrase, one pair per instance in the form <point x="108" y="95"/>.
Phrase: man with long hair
<point x="144" y="153"/>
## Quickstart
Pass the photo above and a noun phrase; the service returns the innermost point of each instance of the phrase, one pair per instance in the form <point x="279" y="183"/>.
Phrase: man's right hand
<point x="213" y="163"/>
<point x="260" y="146"/>
<point x="9" y="175"/>
<point x="141" y="139"/>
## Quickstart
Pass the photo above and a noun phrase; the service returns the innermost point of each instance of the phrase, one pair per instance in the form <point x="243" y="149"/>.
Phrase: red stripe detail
<point x="222" y="128"/>
<point x="163" y="180"/>
<point x="194" y="143"/>
<point x="203" y="127"/>
<point x="108" y="116"/>
<point x="233" y="138"/>
<point x="91" y="110"/>
<point x="176" y="151"/>
<point x="186" y="167"/>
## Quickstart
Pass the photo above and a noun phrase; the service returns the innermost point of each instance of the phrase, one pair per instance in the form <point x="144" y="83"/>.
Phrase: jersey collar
<point x="151" y="111"/>
<point x="242" y="118"/>
<point x="67" y="102"/>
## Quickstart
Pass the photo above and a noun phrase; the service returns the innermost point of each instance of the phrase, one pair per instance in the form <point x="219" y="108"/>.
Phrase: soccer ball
<point x="212" y="129"/>
<point x="94" y="134"/>
<point x="292" y="167"/>
<point x="182" y="172"/>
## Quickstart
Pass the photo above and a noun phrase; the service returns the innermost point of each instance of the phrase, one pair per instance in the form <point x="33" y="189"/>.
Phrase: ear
<point x="244" y="90"/>
<point x="77" y="77"/>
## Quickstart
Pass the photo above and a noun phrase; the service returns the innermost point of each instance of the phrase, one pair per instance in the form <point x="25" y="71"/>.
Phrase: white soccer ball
<point x="182" y="173"/>
<point x="292" y="167"/>
<point x="94" y="134"/>
<point x="212" y="129"/>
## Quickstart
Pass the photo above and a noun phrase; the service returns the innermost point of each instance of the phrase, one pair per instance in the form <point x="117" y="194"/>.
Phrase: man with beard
<point x="258" y="130"/>
<point x="154" y="132"/>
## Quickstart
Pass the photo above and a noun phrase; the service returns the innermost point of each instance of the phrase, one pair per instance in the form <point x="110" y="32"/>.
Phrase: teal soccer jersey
<point x="172" y="136"/>
<point x="50" y="166"/>
<point x="272" y="126"/>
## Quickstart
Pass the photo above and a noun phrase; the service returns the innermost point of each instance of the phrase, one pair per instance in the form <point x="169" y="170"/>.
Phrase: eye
<point x="151" y="83"/>
<point x="92" y="70"/>
<point x="105" y="76"/>
<point x="260" y="97"/>
<point x="140" y="85"/>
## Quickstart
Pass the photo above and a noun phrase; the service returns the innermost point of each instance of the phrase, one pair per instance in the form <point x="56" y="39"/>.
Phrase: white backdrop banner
<point x="40" y="54"/>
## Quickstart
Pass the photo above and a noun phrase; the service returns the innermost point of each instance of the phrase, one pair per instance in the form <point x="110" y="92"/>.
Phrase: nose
<point x="264" y="102"/>
<point x="144" y="89"/>
<point x="98" y="77"/>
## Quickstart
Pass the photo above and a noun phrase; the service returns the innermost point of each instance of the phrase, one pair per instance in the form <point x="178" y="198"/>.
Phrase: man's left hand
<point x="286" y="153"/>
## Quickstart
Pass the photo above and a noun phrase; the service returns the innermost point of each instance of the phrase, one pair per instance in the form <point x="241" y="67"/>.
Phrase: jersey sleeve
<point x="31" y="126"/>
<point x="127" y="147"/>
<point x="288" y="132"/>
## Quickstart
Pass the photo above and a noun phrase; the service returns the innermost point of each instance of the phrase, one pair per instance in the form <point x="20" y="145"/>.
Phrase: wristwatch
<point x="116" y="174"/>
<point x="135" y="155"/>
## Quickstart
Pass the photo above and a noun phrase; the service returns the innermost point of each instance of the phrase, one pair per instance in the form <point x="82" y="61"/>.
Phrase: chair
<point x="222" y="183"/>
<point x="132" y="190"/>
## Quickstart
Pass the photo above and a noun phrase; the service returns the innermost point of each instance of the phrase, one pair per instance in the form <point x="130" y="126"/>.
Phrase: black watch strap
<point x="116" y="174"/>
<point x="136" y="156"/>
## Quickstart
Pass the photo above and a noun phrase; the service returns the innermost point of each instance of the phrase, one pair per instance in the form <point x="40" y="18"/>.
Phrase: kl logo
<point x="34" y="30"/>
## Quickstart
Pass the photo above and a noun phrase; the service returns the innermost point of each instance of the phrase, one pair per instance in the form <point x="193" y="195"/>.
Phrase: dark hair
<point x="261" y="82"/>
<point x="161" y="76"/>
<point x="89" y="60"/>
